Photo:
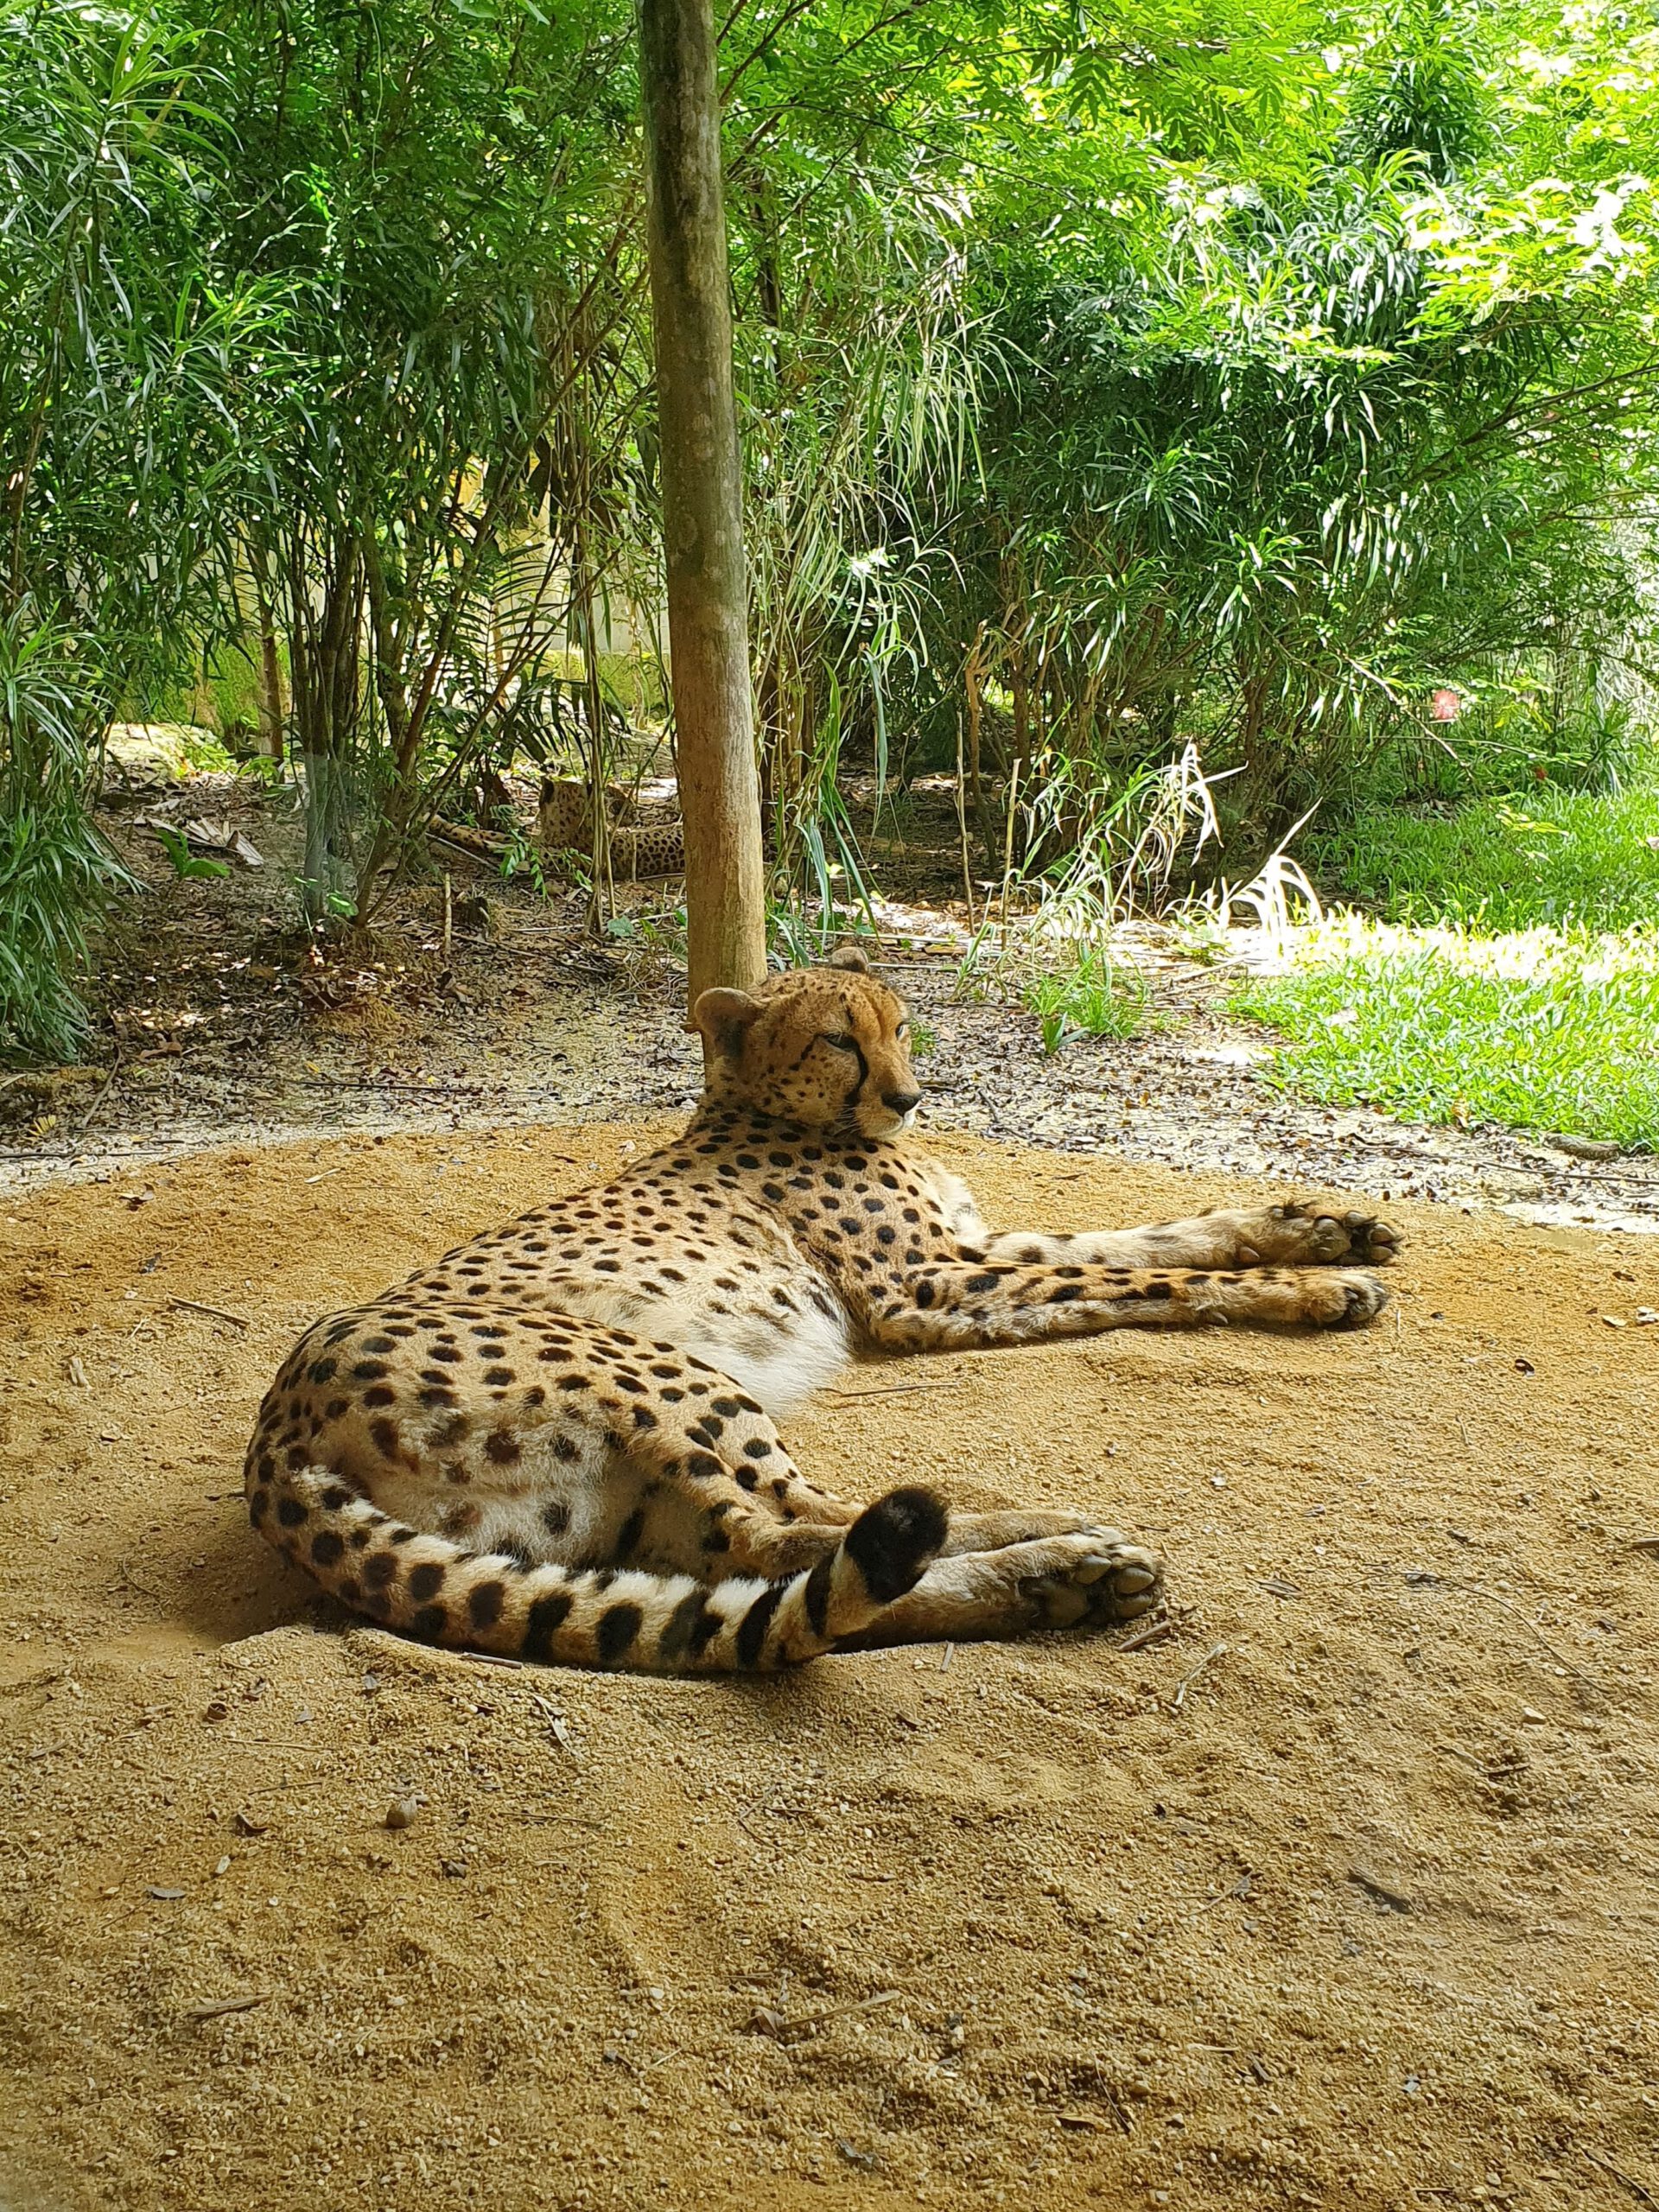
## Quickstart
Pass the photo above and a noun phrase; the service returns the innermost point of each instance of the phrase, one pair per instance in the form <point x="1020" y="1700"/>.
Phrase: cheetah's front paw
<point x="1086" y="1581"/>
<point x="1305" y="1234"/>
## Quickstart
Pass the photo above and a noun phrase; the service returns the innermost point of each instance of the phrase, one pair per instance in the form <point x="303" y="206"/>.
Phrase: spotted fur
<point x="559" y="1441"/>
<point x="565" y="824"/>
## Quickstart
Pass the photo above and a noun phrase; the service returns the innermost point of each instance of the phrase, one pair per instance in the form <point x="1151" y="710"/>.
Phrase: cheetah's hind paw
<point x="1089" y="1580"/>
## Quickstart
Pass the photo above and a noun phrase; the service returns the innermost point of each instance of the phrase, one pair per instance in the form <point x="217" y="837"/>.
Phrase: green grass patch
<point x="1093" y="997"/>
<point x="1566" y="859"/>
<point x="1535" y="1031"/>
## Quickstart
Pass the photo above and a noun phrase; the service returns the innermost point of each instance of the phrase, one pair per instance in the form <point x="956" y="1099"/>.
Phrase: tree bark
<point x="270" y="675"/>
<point x="703" y="506"/>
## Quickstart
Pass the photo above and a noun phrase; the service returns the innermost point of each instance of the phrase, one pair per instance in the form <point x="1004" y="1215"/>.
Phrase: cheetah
<point x="559" y="1442"/>
<point x="564" y="823"/>
<point x="564" y="833"/>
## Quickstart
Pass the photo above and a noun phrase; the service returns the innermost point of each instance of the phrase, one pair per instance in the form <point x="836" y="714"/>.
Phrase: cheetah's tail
<point x="488" y="1601"/>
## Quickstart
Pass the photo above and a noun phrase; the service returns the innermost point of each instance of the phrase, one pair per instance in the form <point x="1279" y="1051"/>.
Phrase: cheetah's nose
<point x="901" y="1101"/>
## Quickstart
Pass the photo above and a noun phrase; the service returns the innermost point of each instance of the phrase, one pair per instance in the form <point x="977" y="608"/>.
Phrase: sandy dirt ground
<point x="1338" y="1892"/>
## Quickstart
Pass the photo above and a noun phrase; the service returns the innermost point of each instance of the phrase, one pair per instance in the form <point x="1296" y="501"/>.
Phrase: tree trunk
<point x="271" y="672"/>
<point x="702" y="508"/>
<point x="592" y="715"/>
<point x="323" y="660"/>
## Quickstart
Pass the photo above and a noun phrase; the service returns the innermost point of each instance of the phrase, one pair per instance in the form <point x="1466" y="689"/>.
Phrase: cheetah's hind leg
<point x="1095" y="1580"/>
<point x="436" y="1590"/>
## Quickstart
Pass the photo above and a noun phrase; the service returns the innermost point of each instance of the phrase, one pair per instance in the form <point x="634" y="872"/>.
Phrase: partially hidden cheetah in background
<point x="564" y="823"/>
<point x="559" y="1442"/>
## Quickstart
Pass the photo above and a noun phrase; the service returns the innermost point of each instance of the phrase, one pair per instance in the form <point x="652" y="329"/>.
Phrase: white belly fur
<point x="779" y="1359"/>
<point x="786" y="1372"/>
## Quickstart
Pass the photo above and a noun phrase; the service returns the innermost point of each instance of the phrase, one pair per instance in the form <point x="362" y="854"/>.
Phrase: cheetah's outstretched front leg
<point x="1299" y="1234"/>
<point x="968" y="1307"/>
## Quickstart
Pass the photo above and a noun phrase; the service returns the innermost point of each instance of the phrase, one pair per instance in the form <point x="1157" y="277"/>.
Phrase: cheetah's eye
<point x="841" y="1042"/>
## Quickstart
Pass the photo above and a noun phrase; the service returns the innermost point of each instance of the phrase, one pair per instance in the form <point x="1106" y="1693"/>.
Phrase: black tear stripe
<point x="753" y="1632"/>
<point x="863" y="1065"/>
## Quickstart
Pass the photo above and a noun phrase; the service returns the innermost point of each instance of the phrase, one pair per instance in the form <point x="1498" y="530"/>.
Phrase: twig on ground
<point x="897" y="1390"/>
<point x="1599" y="2158"/>
<point x="215" y="2012"/>
<point x="1468" y="1757"/>
<point x="1477" y="1590"/>
<point x="125" y="1574"/>
<point x="1395" y="1900"/>
<point x="739" y="1813"/>
<point x="96" y="1108"/>
<point x="1187" y="1681"/>
<point x="1153" y="1633"/>
<point x="774" y="2024"/>
<point x="213" y="1312"/>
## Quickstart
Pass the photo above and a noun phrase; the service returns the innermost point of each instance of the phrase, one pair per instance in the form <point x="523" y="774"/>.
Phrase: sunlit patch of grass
<point x="1092" y="997"/>
<point x="1535" y="1031"/>
<point x="1567" y="859"/>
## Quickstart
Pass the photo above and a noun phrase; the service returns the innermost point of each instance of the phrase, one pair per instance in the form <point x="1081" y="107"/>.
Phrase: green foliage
<point x="1418" y="90"/>
<point x="54" y="867"/>
<point x="1534" y="1032"/>
<point x="1091" y="997"/>
<point x="1566" y="860"/>
<point x="1207" y="381"/>
<point x="121" y="345"/>
<point x="218" y="691"/>
<point x="186" y="866"/>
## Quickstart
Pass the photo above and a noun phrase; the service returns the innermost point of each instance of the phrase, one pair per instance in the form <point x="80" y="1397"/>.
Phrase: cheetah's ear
<point x="850" y="955"/>
<point x="725" y="1017"/>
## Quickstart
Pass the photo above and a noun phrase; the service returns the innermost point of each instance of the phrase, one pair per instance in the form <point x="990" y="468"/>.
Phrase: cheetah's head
<point x="821" y="1045"/>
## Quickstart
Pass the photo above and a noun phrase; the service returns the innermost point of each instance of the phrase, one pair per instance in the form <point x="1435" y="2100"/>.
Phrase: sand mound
<point x="1339" y="1894"/>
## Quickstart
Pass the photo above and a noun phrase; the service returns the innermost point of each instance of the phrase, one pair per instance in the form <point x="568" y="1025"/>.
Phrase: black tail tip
<point x="892" y="1541"/>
